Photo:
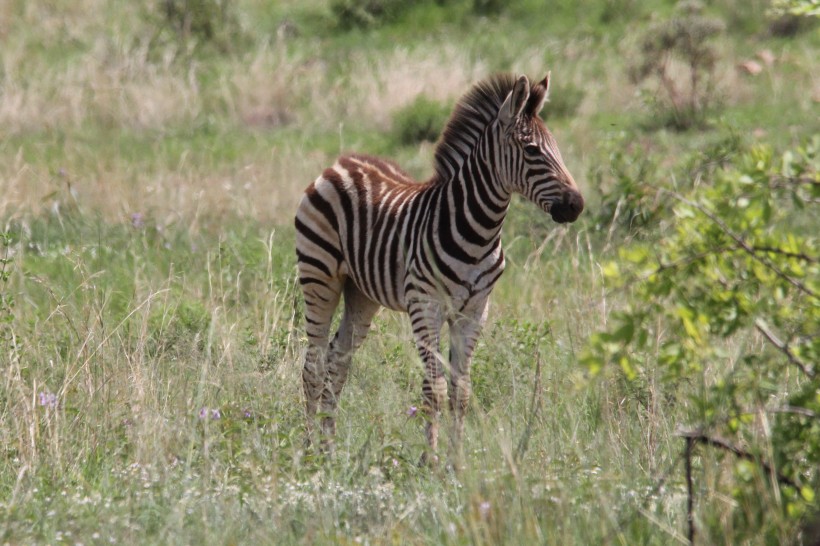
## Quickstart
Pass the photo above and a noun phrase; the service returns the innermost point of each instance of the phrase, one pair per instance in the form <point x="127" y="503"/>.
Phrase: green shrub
<point x="634" y="178"/>
<point x="628" y="185"/>
<point x="193" y="23"/>
<point x="801" y="8"/>
<point x="563" y="102"/>
<point x="421" y="120"/>
<point x="682" y="101"/>
<point x="728" y="298"/>
<point x="489" y="7"/>
<point x="351" y="14"/>
<point x="790" y="17"/>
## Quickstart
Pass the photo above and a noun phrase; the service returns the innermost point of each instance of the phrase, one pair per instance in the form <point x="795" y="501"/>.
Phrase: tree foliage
<point x="808" y="8"/>
<point x="196" y="23"/>
<point x="730" y="299"/>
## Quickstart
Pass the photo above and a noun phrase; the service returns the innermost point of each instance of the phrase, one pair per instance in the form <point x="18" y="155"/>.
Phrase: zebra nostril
<point x="575" y="201"/>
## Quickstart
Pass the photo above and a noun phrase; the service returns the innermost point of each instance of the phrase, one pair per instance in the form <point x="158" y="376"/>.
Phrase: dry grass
<point x="123" y="91"/>
<point x="265" y="190"/>
<point x="386" y="83"/>
<point x="109" y="78"/>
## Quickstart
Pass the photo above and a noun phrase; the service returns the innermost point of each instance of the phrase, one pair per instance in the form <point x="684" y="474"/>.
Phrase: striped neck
<point x="470" y="206"/>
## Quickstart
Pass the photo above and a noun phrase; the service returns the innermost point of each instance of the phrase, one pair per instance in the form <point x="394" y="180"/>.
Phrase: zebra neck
<point x="468" y="212"/>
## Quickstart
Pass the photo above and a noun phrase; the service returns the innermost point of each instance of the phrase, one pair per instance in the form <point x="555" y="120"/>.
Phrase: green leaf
<point x="625" y="332"/>
<point x="592" y="363"/>
<point x="611" y="270"/>
<point x="689" y="326"/>
<point x="628" y="369"/>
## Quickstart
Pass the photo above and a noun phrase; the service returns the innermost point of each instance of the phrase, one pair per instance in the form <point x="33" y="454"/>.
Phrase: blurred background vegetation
<point x="151" y="157"/>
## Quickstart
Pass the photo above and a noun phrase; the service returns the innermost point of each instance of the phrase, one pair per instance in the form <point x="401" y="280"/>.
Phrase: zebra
<point x="368" y="233"/>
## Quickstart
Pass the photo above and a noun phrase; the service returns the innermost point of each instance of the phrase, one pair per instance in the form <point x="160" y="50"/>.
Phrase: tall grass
<point x="150" y="385"/>
<point x="161" y="403"/>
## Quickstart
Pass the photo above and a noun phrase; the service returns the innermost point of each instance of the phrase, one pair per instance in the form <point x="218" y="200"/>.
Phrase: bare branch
<point x="779" y="181"/>
<point x="701" y="437"/>
<point x="690" y="491"/>
<point x="796" y="410"/>
<point x="760" y="326"/>
<point x="742" y="244"/>
<point x="796" y="255"/>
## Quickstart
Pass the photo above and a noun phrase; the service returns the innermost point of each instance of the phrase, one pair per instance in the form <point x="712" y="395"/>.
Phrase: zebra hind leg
<point x="321" y="299"/>
<point x="358" y="314"/>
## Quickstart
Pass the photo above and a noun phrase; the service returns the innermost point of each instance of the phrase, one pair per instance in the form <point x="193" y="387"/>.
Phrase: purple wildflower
<point x="137" y="220"/>
<point x="214" y="413"/>
<point x="248" y="414"/>
<point x="48" y="400"/>
<point x="484" y="509"/>
<point x="411" y="412"/>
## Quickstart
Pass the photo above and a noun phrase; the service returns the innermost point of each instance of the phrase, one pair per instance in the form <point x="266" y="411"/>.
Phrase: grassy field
<point x="151" y="334"/>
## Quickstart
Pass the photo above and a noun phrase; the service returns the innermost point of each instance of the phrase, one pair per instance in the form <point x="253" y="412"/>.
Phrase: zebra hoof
<point x="428" y="459"/>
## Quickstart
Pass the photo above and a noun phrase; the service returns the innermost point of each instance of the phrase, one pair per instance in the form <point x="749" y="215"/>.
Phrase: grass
<point x="136" y="336"/>
<point x="149" y="187"/>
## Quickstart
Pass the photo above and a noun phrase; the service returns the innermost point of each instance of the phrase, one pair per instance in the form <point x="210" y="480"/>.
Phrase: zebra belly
<point x="377" y="273"/>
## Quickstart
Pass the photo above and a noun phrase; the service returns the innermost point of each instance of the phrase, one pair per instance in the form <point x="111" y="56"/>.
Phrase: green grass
<point x="137" y="335"/>
<point x="152" y="271"/>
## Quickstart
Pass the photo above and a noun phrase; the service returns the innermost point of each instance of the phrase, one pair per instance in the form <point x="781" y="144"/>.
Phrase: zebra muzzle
<point x="568" y="208"/>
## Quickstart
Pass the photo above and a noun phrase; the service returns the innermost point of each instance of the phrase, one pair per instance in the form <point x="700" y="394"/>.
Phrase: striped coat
<point x="370" y="235"/>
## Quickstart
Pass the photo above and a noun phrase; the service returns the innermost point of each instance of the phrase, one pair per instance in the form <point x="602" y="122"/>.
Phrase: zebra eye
<point x="532" y="149"/>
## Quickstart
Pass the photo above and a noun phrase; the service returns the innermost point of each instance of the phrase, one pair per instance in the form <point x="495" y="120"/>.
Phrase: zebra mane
<point x="472" y="113"/>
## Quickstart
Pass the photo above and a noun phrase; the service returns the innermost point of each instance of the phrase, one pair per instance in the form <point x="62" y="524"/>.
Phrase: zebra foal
<point x="367" y="231"/>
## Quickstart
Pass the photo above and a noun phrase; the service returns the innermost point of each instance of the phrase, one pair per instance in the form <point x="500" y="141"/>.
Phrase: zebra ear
<point x="538" y="96"/>
<point x="515" y="101"/>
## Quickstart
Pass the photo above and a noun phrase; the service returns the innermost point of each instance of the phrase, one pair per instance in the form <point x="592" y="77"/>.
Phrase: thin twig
<point x="744" y="245"/>
<point x="690" y="494"/>
<point x="796" y="255"/>
<point x="796" y="410"/>
<point x="535" y="404"/>
<point x="783" y="348"/>
<point x="779" y="181"/>
<point x="713" y="441"/>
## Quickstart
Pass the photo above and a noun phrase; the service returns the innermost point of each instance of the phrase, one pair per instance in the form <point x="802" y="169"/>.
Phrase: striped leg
<point x="464" y="332"/>
<point x="321" y="299"/>
<point x="358" y="314"/>
<point x="426" y="318"/>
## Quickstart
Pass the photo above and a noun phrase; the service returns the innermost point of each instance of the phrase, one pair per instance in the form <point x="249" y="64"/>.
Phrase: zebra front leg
<point x="434" y="394"/>
<point x="464" y="331"/>
<point x="427" y="321"/>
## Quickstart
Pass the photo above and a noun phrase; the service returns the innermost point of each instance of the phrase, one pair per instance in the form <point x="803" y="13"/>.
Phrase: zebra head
<point x="533" y="166"/>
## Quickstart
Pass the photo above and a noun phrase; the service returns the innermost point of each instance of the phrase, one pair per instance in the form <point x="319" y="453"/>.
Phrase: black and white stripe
<point x="365" y="229"/>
